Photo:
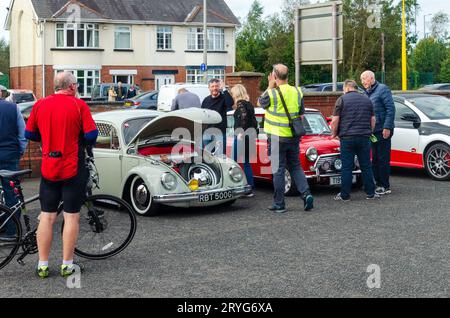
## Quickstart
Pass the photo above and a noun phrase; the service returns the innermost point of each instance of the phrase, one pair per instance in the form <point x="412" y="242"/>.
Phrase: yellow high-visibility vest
<point x="276" y="121"/>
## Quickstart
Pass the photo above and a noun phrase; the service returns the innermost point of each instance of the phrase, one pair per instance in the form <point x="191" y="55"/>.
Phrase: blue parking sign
<point x="203" y="67"/>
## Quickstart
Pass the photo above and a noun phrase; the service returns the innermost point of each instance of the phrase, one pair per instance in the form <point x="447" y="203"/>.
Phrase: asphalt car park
<point x="246" y="251"/>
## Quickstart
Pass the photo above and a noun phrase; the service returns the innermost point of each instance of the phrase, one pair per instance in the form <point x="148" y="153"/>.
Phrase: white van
<point x="167" y="94"/>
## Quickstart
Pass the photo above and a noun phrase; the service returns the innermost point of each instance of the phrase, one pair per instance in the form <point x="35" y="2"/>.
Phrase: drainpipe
<point x="43" y="57"/>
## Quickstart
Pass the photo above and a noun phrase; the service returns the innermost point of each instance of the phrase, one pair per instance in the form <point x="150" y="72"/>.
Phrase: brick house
<point x="144" y="42"/>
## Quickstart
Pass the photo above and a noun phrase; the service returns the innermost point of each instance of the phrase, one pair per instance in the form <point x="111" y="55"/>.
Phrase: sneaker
<point x="383" y="191"/>
<point x="372" y="197"/>
<point x="309" y="202"/>
<point x="68" y="270"/>
<point x="339" y="198"/>
<point x="277" y="209"/>
<point x="250" y="195"/>
<point x="42" y="272"/>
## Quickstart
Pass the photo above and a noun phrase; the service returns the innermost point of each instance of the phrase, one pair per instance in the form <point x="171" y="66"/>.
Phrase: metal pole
<point x="205" y="39"/>
<point x="43" y="58"/>
<point x="297" y="47"/>
<point x="404" y="61"/>
<point x="334" y="47"/>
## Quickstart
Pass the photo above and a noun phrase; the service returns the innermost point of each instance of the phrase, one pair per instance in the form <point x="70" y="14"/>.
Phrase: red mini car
<point x="319" y="152"/>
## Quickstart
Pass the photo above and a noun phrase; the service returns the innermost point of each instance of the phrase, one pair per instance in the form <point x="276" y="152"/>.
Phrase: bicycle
<point x="107" y="223"/>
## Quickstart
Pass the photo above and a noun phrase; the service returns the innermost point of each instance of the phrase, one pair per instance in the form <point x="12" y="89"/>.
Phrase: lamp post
<point x="404" y="61"/>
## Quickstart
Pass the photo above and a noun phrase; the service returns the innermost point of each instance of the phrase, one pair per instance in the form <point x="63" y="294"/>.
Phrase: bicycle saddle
<point x="14" y="174"/>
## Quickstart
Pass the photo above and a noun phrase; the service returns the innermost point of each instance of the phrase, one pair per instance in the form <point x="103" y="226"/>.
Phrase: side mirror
<point x="411" y="117"/>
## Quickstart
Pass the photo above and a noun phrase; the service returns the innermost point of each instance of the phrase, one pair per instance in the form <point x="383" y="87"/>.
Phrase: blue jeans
<point x="10" y="197"/>
<point x="245" y="161"/>
<point x="381" y="160"/>
<point x="209" y="139"/>
<point x="286" y="155"/>
<point x="351" y="147"/>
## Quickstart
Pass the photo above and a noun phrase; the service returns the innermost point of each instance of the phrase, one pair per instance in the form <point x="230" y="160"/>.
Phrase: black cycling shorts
<point x="72" y="192"/>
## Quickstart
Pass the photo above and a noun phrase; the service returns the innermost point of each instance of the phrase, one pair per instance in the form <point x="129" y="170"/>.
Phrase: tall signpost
<point x="205" y="41"/>
<point x="404" y="61"/>
<point x="319" y="37"/>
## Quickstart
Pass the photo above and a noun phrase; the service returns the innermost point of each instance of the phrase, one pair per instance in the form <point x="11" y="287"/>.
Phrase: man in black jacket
<point x="220" y="101"/>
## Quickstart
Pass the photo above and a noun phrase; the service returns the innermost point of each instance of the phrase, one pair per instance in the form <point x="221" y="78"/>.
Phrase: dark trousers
<point x="8" y="192"/>
<point x="215" y="143"/>
<point x="381" y="161"/>
<point x="350" y="147"/>
<point x="245" y="159"/>
<point x="286" y="155"/>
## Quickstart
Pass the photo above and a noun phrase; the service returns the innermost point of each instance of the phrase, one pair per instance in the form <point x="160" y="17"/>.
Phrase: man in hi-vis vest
<point x="284" y="149"/>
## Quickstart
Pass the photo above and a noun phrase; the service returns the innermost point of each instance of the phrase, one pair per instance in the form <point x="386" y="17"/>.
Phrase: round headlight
<point x="236" y="174"/>
<point x="312" y="154"/>
<point x="338" y="164"/>
<point x="168" y="181"/>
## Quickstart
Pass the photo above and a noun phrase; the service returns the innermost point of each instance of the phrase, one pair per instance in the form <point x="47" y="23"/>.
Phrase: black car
<point x="147" y="100"/>
<point x="325" y="87"/>
<point x="436" y="87"/>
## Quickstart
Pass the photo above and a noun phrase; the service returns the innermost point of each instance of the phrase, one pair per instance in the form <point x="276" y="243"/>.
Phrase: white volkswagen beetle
<point x="150" y="159"/>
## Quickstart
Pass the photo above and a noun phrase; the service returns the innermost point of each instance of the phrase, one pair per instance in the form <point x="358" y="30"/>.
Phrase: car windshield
<point x="23" y="98"/>
<point x="315" y="124"/>
<point x="133" y="126"/>
<point x="435" y="108"/>
<point x="25" y="106"/>
<point x="143" y="96"/>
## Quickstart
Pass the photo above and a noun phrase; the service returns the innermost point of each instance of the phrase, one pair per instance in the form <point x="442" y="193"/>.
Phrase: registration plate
<point x="218" y="196"/>
<point x="338" y="180"/>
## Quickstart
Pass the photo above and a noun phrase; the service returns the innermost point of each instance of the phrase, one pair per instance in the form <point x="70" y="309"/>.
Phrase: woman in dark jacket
<point x="245" y="126"/>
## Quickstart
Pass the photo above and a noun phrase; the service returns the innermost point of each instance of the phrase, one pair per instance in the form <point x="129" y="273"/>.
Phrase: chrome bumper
<point x="195" y="196"/>
<point x="319" y="176"/>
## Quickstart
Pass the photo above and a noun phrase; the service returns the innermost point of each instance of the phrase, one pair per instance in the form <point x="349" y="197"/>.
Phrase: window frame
<point x="216" y="39"/>
<point x="86" y="28"/>
<point x="118" y="31"/>
<point x="167" y="37"/>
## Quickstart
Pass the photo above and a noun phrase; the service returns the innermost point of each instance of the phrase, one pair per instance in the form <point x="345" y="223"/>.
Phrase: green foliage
<point x="4" y="57"/>
<point x="444" y="75"/>
<point x="428" y="55"/>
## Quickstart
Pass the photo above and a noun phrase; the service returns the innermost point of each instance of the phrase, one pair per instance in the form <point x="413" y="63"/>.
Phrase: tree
<point x="439" y="26"/>
<point x="4" y="57"/>
<point x="428" y="56"/>
<point x="251" y="41"/>
<point x="444" y="76"/>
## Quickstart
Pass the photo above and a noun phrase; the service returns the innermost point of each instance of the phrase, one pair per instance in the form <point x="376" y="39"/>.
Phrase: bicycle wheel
<point x="8" y="248"/>
<point x="107" y="227"/>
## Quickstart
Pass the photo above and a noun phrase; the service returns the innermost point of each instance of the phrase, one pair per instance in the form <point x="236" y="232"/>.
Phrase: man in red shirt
<point x="64" y="125"/>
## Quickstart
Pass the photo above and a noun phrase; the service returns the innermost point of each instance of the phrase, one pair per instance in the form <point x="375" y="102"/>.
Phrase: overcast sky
<point x="241" y="7"/>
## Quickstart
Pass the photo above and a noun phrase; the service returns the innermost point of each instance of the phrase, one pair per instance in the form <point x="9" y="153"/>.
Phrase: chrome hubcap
<point x="439" y="163"/>
<point x="287" y="181"/>
<point x="141" y="194"/>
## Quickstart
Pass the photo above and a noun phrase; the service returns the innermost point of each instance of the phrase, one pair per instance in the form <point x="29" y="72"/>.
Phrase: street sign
<point x="203" y="67"/>
<point x="319" y="36"/>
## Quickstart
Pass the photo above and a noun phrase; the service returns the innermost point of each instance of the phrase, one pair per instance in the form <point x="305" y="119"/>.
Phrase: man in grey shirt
<point x="186" y="99"/>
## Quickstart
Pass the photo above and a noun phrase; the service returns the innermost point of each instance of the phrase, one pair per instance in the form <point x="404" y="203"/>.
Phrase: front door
<point x="161" y="80"/>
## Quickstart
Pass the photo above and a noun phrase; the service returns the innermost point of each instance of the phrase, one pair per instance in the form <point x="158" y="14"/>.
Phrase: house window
<point x="86" y="79"/>
<point x="196" y="76"/>
<point x="216" y="39"/>
<point x="122" y="37"/>
<point x="164" y="38"/>
<point x="84" y="35"/>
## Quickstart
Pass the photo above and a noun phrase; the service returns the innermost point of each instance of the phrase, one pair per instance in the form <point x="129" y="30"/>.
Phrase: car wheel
<point x="437" y="162"/>
<point x="289" y="185"/>
<point x="141" y="198"/>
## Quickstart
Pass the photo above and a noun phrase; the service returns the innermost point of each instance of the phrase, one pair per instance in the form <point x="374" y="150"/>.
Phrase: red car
<point x="319" y="152"/>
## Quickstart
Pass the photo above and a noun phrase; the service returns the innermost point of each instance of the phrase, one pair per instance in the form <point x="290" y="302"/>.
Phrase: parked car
<point x="319" y="152"/>
<point x="139" y="160"/>
<point x="325" y="87"/>
<point x="167" y="94"/>
<point x="19" y="96"/>
<point x="25" y="108"/>
<point x="436" y="87"/>
<point x="100" y="91"/>
<point x="422" y="134"/>
<point x="147" y="100"/>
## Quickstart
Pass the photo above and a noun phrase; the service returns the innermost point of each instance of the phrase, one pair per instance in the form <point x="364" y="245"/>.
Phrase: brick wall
<point x="30" y="77"/>
<point x="250" y="80"/>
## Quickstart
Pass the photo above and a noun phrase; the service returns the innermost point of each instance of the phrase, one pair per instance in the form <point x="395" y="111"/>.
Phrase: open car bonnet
<point x="189" y="119"/>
